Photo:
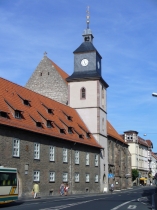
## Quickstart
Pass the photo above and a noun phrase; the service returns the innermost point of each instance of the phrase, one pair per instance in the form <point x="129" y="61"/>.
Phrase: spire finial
<point x="45" y="53"/>
<point x="88" y="17"/>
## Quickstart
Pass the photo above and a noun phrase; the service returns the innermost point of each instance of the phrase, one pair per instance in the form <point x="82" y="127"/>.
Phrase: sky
<point x="125" y="35"/>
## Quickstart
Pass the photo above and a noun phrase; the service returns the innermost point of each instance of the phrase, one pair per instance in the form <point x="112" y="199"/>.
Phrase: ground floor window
<point x="65" y="177"/>
<point x="77" y="177"/>
<point x="36" y="176"/>
<point x="52" y="176"/>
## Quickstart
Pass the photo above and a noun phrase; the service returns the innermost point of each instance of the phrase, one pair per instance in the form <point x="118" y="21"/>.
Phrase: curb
<point x="154" y="207"/>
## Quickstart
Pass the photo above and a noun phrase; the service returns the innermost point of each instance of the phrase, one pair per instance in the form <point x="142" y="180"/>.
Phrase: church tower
<point x="87" y="94"/>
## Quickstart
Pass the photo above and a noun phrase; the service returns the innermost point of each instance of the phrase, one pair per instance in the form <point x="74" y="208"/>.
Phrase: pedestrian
<point x="112" y="187"/>
<point x="66" y="188"/>
<point x="62" y="189"/>
<point x="35" y="189"/>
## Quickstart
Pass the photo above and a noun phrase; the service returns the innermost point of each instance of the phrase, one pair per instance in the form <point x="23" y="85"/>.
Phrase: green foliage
<point x="135" y="174"/>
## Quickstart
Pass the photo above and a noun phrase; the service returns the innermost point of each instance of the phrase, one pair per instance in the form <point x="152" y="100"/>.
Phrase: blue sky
<point x="125" y="34"/>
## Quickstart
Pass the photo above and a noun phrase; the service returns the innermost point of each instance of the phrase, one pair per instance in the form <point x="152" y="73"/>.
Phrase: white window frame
<point x="36" y="151"/>
<point x="96" y="178"/>
<point x="65" y="176"/>
<point x="77" y="177"/>
<point x="87" y="178"/>
<point x="87" y="159"/>
<point x="36" y="176"/>
<point x="52" y="153"/>
<point x="65" y="155"/>
<point x="96" y="160"/>
<point x="52" y="176"/>
<point x="77" y="157"/>
<point x="16" y="148"/>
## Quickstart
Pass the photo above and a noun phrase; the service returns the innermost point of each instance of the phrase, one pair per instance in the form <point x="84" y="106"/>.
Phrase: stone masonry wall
<point x="46" y="81"/>
<point x="119" y="164"/>
<point x="27" y="139"/>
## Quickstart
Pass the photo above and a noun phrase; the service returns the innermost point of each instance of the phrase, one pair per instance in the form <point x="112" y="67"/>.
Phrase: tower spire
<point x="87" y="17"/>
<point x="88" y="37"/>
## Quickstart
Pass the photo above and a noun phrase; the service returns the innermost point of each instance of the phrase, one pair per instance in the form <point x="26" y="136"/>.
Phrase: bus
<point x="8" y="185"/>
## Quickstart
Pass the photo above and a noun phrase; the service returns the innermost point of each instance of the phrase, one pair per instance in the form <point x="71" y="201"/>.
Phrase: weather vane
<point x="45" y="53"/>
<point x="88" y="17"/>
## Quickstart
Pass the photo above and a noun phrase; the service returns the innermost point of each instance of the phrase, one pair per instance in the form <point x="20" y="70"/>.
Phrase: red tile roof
<point x="142" y="141"/>
<point x="113" y="133"/>
<point x="149" y="142"/>
<point x="11" y="99"/>
<point x="154" y="155"/>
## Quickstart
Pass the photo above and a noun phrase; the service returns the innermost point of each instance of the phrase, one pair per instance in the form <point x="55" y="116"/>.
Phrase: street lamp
<point x="154" y="94"/>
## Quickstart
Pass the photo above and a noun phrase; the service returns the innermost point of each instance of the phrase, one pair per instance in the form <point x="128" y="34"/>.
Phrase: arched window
<point x="83" y="93"/>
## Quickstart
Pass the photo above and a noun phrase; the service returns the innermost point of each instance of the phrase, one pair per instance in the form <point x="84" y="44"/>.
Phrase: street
<point x="137" y="198"/>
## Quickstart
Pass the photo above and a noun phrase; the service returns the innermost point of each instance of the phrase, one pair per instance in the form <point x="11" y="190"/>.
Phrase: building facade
<point x="138" y="148"/>
<point x="119" y="160"/>
<point x="47" y="142"/>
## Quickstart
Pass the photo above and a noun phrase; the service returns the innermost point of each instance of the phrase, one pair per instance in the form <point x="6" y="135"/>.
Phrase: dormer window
<point x="62" y="131"/>
<point x="18" y="114"/>
<point x="26" y="102"/>
<point x="70" y="130"/>
<point x="39" y="124"/>
<point x="69" y="118"/>
<point x="3" y="114"/>
<point x="81" y="136"/>
<point x="49" y="125"/>
<point x="50" y="111"/>
<point x="88" y="135"/>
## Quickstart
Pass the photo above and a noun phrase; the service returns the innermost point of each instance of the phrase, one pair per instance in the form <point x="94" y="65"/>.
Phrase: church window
<point x="83" y="93"/>
<point x="102" y="99"/>
<point x="40" y="74"/>
<point x="103" y="124"/>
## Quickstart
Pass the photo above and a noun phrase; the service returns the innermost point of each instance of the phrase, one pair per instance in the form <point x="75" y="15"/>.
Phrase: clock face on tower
<point x="84" y="62"/>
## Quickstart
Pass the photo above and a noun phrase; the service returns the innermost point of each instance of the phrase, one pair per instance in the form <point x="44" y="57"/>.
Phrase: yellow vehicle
<point x="143" y="181"/>
<point x="8" y="185"/>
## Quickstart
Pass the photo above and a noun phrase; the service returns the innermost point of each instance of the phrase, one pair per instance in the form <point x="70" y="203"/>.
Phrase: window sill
<point x="16" y="157"/>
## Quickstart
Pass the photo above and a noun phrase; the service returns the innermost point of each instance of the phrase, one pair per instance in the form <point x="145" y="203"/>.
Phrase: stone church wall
<point x="46" y="81"/>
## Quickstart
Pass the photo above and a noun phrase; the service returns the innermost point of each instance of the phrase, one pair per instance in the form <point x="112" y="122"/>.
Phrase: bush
<point x="135" y="174"/>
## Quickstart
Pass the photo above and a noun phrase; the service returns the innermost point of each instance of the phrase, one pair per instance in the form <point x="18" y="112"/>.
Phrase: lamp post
<point x="154" y="94"/>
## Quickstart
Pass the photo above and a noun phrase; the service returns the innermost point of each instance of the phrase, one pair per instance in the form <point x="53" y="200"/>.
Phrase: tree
<point x="135" y="174"/>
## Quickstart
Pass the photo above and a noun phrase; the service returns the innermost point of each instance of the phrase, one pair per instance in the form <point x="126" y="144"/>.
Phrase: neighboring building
<point x="138" y="148"/>
<point x="47" y="142"/>
<point x="49" y="80"/>
<point x="119" y="160"/>
<point x="153" y="165"/>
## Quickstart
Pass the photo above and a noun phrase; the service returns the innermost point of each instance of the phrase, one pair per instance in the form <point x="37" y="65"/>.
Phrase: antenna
<point x="88" y="17"/>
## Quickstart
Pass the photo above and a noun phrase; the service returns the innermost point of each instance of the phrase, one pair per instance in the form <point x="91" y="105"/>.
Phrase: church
<point x="55" y="129"/>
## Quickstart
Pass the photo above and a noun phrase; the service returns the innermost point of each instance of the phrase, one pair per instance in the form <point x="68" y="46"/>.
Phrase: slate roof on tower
<point x="42" y="115"/>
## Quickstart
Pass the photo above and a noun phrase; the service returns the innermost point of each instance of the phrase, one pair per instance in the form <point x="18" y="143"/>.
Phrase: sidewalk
<point x="25" y="199"/>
